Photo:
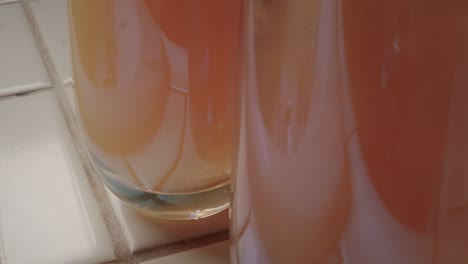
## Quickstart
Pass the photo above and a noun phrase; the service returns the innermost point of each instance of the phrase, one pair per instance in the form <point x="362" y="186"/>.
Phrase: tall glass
<point x="154" y="82"/>
<point x="353" y="133"/>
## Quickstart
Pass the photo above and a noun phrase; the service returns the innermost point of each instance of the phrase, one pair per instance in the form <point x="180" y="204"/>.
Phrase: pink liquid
<point x="354" y="134"/>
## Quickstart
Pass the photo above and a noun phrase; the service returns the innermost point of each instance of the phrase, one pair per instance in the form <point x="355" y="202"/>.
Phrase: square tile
<point x="212" y="254"/>
<point x="47" y="211"/>
<point x="52" y="19"/>
<point x="143" y="232"/>
<point x="21" y="67"/>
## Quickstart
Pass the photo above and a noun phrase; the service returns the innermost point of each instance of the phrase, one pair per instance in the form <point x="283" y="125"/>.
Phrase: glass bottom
<point x="171" y="206"/>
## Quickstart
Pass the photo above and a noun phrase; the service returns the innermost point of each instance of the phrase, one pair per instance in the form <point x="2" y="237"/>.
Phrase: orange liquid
<point x="406" y="66"/>
<point x="353" y="136"/>
<point x="153" y="82"/>
<point x="401" y="91"/>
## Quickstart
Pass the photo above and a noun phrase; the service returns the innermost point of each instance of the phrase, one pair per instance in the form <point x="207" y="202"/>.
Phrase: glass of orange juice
<point x="353" y="133"/>
<point x="154" y="82"/>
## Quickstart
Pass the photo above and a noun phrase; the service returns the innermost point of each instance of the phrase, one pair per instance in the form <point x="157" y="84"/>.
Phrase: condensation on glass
<point x="154" y="82"/>
<point x="353" y="133"/>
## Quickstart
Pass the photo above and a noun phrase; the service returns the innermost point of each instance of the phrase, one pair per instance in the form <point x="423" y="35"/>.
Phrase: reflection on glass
<point x="407" y="86"/>
<point x="153" y="84"/>
<point x="353" y="133"/>
<point x="292" y="187"/>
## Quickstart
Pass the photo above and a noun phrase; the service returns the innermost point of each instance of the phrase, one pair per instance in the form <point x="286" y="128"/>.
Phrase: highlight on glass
<point x="154" y="82"/>
<point x="352" y="133"/>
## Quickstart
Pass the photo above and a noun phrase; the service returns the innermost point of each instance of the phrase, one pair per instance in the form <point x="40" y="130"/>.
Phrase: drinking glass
<point x="352" y="133"/>
<point x="154" y="82"/>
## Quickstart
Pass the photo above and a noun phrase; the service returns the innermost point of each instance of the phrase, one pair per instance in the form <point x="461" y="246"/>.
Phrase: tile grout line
<point x="119" y="241"/>
<point x="44" y="52"/>
<point x="181" y="246"/>
<point x="26" y="93"/>
<point x="23" y="89"/>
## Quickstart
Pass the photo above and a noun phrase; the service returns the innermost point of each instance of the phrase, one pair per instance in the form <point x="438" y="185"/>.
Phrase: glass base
<point x="171" y="206"/>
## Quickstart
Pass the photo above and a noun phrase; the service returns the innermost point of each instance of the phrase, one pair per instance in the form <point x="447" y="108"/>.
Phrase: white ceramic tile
<point x="212" y="254"/>
<point x="143" y="232"/>
<point x="52" y="19"/>
<point x="21" y="67"/>
<point x="47" y="211"/>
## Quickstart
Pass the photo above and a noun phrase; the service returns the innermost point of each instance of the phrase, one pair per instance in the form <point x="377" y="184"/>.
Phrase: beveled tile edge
<point x="119" y="242"/>
<point x="182" y="246"/>
<point x="11" y="91"/>
<point x="4" y="2"/>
